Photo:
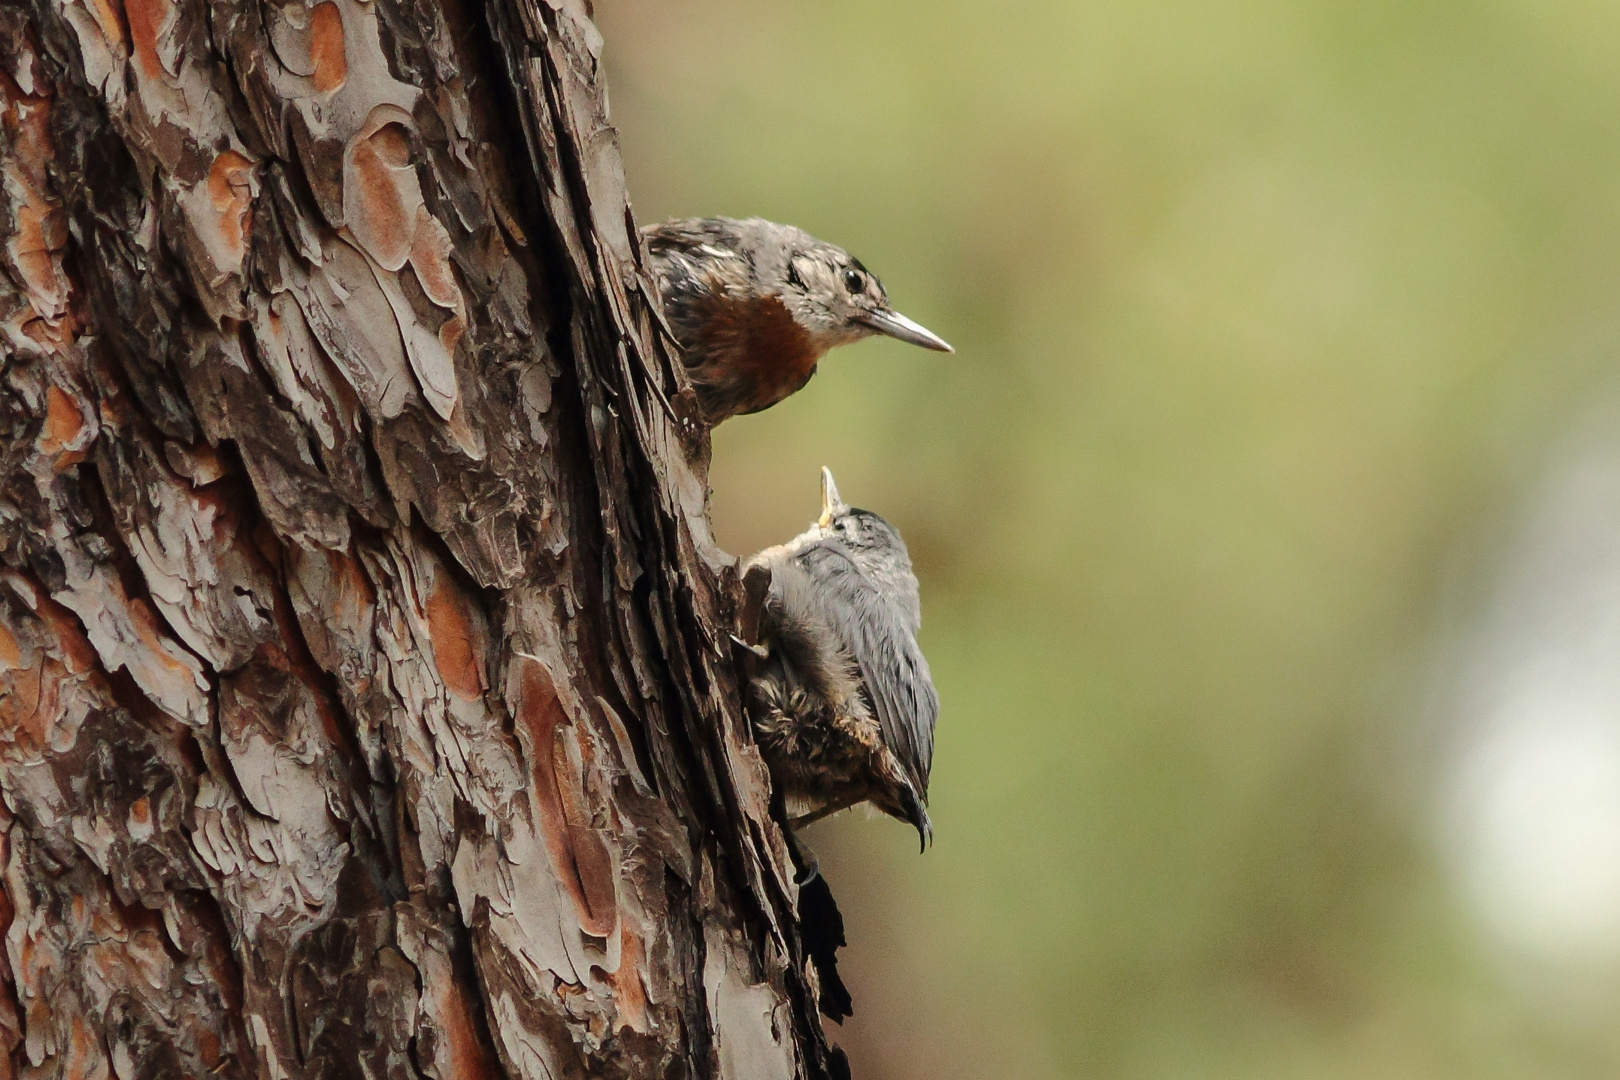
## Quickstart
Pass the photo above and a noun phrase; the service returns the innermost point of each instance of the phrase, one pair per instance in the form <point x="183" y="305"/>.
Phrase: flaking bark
<point x="367" y="706"/>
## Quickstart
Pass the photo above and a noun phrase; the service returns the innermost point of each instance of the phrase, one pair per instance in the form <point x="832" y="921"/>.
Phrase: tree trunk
<point x="368" y="702"/>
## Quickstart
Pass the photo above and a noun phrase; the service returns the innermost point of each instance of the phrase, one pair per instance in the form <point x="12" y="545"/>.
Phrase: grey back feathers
<point x="867" y="594"/>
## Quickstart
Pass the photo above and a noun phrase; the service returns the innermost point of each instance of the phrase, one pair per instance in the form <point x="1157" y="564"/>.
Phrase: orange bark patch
<point x="35" y="249"/>
<point x="392" y="145"/>
<point x="468" y="1058"/>
<point x="29" y="704"/>
<point x="10" y="654"/>
<point x="147" y="20"/>
<point x="147" y="628"/>
<point x="209" y="467"/>
<point x="84" y="1057"/>
<point x="199" y="464"/>
<point x="78" y="655"/>
<point x="209" y="1048"/>
<point x="27" y="120"/>
<point x="352" y="594"/>
<point x="628" y="992"/>
<point x="598" y="880"/>
<point x="572" y="759"/>
<point x="326" y="50"/>
<point x="430" y="257"/>
<point x="381" y="194"/>
<point x="63" y="421"/>
<point x="455" y="650"/>
<point x="230" y="193"/>
<point x="582" y="859"/>
<point x="375" y="162"/>
<point x="451" y="332"/>
<point x="109" y="15"/>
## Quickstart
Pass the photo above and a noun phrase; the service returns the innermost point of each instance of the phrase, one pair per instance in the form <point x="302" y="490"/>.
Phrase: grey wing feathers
<point x="876" y="632"/>
<point x="690" y="240"/>
<point x="691" y="258"/>
<point x="793" y="620"/>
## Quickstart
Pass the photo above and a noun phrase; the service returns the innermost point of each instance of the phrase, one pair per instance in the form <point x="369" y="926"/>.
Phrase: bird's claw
<point x="758" y="650"/>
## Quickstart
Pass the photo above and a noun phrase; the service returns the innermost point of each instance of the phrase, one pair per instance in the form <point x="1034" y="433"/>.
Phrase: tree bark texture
<point x="367" y="705"/>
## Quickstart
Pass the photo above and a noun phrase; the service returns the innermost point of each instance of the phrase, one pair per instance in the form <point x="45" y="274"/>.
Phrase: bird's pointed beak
<point x="887" y="321"/>
<point x="830" y="502"/>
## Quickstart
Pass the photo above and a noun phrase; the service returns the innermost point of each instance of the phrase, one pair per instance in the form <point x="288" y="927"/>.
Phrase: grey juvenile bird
<point x="754" y="305"/>
<point x="842" y="703"/>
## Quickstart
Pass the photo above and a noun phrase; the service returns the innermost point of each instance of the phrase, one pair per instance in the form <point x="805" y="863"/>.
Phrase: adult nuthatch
<point x="842" y="703"/>
<point x="754" y="305"/>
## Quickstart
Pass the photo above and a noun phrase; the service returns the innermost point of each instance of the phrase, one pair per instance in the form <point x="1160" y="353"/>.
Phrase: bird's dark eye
<point x="853" y="281"/>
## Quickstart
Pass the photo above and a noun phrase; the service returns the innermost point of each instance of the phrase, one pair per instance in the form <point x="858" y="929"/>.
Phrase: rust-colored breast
<point x="748" y="355"/>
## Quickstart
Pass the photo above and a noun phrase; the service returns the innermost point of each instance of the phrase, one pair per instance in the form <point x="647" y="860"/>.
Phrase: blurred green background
<point x="1268" y="317"/>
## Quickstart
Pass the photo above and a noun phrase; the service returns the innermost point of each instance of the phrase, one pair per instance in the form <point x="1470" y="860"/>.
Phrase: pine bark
<point x="367" y="702"/>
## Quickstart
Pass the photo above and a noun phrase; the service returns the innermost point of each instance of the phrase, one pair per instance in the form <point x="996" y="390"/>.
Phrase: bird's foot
<point x="760" y="651"/>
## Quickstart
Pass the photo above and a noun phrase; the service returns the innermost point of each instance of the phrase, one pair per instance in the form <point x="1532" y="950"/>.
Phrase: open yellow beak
<point x="830" y="502"/>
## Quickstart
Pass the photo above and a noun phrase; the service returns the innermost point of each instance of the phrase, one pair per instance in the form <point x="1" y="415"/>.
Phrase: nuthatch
<point x="842" y="703"/>
<point x="754" y="305"/>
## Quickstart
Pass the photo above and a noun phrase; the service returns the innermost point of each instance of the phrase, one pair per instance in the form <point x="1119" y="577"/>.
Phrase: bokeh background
<point x="1267" y="517"/>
